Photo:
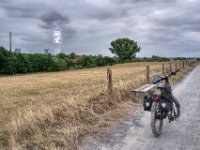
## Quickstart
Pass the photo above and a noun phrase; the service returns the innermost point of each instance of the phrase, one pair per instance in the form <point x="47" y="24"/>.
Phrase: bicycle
<point x="163" y="105"/>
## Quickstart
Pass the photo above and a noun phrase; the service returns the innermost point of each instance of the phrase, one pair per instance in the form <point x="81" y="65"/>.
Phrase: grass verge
<point x="62" y="121"/>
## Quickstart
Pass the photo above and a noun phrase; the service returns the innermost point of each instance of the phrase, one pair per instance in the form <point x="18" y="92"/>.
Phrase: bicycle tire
<point x="156" y="129"/>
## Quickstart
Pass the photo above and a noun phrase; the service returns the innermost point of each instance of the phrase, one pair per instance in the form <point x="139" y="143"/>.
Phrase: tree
<point x="61" y="64"/>
<point x="156" y="58"/>
<point x="61" y="56"/>
<point x="124" y="48"/>
<point x="71" y="55"/>
<point x="11" y="67"/>
<point x="21" y="63"/>
<point x="3" y="59"/>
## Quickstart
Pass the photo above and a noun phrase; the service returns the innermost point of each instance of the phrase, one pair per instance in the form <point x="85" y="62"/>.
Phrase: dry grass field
<point x="65" y="110"/>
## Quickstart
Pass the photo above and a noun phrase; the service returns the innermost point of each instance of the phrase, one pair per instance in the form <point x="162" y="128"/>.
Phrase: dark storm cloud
<point x="132" y="1"/>
<point x="68" y="33"/>
<point x="53" y="18"/>
<point x="20" y="12"/>
<point x="168" y="28"/>
<point x="14" y="9"/>
<point x="148" y="2"/>
<point x="4" y="1"/>
<point x="108" y="14"/>
<point x="184" y="22"/>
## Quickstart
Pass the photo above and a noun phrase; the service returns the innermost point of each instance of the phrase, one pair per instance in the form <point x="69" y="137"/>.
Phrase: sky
<point x="161" y="27"/>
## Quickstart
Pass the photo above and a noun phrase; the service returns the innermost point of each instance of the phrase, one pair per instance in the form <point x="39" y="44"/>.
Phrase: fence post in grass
<point x="109" y="78"/>
<point x="170" y="67"/>
<point x="176" y="66"/>
<point x="148" y="74"/>
<point x="167" y="70"/>
<point x="183" y="64"/>
<point x="163" y="68"/>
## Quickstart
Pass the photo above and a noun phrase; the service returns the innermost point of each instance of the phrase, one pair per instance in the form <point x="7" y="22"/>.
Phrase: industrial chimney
<point x="10" y="41"/>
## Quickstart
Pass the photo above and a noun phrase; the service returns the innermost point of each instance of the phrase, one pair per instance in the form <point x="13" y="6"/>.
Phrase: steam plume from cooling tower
<point x="55" y="21"/>
<point x="57" y="41"/>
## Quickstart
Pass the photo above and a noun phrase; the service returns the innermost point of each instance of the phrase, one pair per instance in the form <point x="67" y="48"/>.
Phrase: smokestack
<point x="10" y="41"/>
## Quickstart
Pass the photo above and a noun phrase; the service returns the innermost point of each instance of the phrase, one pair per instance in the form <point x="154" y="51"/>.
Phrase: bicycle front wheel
<point x="156" y="119"/>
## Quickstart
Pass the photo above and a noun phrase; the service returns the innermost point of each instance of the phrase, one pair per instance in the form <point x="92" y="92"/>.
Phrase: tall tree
<point x="124" y="48"/>
<point x="4" y="59"/>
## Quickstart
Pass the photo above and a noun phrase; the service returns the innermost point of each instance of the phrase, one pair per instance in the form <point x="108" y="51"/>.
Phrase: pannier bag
<point x="147" y="103"/>
<point x="165" y="104"/>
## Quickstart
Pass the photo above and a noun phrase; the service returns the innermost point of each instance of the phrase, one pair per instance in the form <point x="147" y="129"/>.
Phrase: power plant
<point x="56" y="43"/>
<point x="17" y="50"/>
<point x="46" y="51"/>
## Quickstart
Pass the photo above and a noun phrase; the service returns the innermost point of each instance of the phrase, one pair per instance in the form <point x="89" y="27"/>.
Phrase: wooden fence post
<point x="167" y="70"/>
<point x="183" y="64"/>
<point x="163" y="68"/>
<point x="176" y="66"/>
<point x="109" y="78"/>
<point x="148" y="74"/>
<point x="170" y="67"/>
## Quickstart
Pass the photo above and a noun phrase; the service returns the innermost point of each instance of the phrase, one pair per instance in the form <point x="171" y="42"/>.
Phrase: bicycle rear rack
<point x="144" y="88"/>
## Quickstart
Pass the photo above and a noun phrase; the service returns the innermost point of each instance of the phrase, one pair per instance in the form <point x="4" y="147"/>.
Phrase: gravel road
<point x="181" y="134"/>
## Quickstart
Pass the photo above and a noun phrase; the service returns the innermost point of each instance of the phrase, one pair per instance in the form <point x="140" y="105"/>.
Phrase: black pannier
<point x="165" y="103"/>
<point x="147" y="103"/>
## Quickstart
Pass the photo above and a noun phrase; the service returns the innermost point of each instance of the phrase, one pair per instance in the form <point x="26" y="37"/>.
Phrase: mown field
<point x="65" y="110"/>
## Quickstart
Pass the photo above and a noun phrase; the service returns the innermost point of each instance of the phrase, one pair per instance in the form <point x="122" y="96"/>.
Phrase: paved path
<point x="182" y="134"/>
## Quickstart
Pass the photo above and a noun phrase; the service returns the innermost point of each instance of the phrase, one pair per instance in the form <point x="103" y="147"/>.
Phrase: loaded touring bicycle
<point x="162" y="105"/>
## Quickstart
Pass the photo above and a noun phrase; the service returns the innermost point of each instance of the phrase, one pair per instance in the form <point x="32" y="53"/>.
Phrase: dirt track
<point x="182" y="134"/>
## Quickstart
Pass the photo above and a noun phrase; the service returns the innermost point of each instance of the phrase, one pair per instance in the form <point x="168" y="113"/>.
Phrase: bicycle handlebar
<point x="166" y="77"/>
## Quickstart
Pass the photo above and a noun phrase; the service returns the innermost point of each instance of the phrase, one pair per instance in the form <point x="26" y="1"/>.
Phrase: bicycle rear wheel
<point x="156" y="119"/>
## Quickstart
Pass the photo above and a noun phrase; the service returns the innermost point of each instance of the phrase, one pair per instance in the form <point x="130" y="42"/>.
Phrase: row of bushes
<point x="12" y="63"/>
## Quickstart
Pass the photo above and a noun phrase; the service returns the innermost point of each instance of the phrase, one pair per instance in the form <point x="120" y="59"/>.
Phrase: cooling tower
<point x="57" y="41"/>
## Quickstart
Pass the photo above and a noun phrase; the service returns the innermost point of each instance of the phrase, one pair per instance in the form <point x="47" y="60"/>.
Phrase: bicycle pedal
<point x="172" y="118"/>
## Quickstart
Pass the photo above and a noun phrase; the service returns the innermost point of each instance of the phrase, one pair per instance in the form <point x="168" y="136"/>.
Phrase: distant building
<point x="17" y="50"/>
<point x="46" y="51"/>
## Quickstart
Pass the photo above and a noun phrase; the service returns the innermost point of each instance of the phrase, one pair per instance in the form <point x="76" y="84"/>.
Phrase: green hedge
<point x="12" y="63"/>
